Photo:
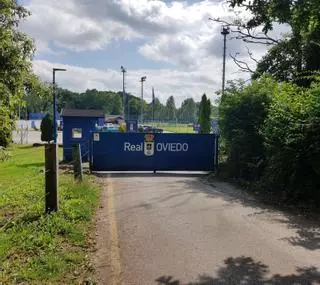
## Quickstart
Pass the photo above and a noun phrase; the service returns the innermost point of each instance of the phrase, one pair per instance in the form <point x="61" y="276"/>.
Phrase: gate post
<point x="216" y="162"/>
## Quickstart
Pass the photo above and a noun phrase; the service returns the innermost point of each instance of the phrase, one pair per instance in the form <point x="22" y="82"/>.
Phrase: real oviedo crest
<point x="149" y="145"/>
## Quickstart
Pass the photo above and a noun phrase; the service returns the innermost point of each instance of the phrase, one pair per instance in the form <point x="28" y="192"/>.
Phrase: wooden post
<point x="77" y="162"/>
<point x="51" y="163"/>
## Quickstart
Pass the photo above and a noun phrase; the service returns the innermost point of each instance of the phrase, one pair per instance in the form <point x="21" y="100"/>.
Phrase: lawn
<point x="36" y="248"/>
<point x="176" y="128"/>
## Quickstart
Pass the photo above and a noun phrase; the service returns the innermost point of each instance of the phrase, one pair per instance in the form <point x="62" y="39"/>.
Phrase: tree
<point x="171" y="109"/>
<point x="298" y="51"/>
<point x="116" y="105"/>
<point x="47" y="128"/>
<point x="187" y="112"/>
<point x="16" y="50"/>
<point x="204" y="115"/>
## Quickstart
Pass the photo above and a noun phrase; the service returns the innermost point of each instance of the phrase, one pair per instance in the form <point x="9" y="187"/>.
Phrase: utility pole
<point x="225" y="32"/>
<point x="54" y="70"/>
<point x="143" y="79"/>
<point x="123" y="70"/>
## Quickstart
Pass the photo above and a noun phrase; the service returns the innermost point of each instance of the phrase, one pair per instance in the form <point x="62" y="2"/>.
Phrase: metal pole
<point x="123" y="96"/>
<point x="225" y="32"/>
<point x="124" y="93"/>
<point x="55" y="102"/>
<point x="142" y="80"/>
<point x="141" y="116"/>
<point x="54" y="106"/>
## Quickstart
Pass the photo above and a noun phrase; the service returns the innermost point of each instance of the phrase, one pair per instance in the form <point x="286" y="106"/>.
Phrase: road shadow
<point x="246" y="271"/>
<point x="305" y="224"/>
<point x="149" y="174"/>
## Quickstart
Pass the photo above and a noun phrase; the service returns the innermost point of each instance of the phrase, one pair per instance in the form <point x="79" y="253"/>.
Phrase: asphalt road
<point x="178" y="229"/>
<point x="31" y="137"/>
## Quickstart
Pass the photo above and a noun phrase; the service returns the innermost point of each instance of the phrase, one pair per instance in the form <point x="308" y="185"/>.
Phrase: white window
<point x="77" y="133"/>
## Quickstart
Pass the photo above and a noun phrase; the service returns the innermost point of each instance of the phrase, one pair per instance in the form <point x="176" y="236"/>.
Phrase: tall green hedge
<point x="272" y="134"/>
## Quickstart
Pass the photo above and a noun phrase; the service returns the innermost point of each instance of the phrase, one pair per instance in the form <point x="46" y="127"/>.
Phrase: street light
<point x="143" y="79"/>
<point x="123" y="70"/>
<point x="225" y="31"/>
<point x="54" y="70"/>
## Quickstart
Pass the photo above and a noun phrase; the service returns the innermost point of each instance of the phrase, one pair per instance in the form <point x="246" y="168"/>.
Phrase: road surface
<point x="31" y="137"/>
<point x="178" y="229"/>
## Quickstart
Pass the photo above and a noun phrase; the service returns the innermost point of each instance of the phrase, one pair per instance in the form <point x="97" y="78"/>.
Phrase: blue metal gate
<point x="149" y="152"/>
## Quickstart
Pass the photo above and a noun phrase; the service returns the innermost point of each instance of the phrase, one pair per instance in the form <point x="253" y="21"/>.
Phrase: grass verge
<point x="36" y="248"/>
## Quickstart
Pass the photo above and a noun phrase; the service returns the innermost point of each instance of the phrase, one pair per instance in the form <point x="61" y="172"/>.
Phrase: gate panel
<point x="185" y="152"/>
<point x="119" y="152"/>
<point x="148" y="152"/>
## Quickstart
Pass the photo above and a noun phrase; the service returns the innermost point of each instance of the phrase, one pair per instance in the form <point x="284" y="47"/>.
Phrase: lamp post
<point x="143" y="79"/>
<point x="225" y="31"/>
<point x="123" y="70"/>
<point x="54" y="70"/>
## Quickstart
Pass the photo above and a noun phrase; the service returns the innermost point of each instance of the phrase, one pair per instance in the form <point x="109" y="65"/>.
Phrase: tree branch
<point x="246" y="34"/>
<point x="243" y="66"/>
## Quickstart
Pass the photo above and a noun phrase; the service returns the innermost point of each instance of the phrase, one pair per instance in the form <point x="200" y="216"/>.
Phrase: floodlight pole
<point x="142" y="80"/>
<point x="225" y="32"/>
<point x="123" y="70"/>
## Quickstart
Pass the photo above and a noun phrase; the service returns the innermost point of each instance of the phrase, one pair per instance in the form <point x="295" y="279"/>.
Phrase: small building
<point x="77" y="125"/>
<point x="114" y="119"/>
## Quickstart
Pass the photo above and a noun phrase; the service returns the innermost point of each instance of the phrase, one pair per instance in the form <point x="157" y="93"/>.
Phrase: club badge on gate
<point x="149" y="145"/>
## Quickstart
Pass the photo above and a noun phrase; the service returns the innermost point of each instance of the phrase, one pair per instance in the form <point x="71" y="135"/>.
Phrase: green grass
<point x="176" y="128"/>
<point x="36" y="248"/>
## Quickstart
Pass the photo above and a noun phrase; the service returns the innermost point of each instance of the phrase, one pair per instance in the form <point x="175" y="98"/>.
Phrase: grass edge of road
<point x="44" y="249"/>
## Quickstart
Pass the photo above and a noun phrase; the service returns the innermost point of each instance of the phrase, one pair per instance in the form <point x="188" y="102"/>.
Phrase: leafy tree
<point x="204" y="115"/>
<point x="47" y="128"/>
<point x="116" y="105"/>
<point x="16" y="51"/>
<point x="38" y="95"/>
<point x="171" y="109"/>
<point x="296" y="55"/>
<point x="187" y="112"/>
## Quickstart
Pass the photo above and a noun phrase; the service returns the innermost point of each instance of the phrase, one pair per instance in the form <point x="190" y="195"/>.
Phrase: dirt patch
<point x="101" y="256"/>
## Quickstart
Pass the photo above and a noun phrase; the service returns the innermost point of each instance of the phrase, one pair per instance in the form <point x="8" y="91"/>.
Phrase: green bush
<point x="292" y="141"/>
<point x="6" y="127"/>
<point x="243" y="110"/>
<point x="47" y="128"/>
<point x="4" y="154"/>
<point x="271" y="132"/>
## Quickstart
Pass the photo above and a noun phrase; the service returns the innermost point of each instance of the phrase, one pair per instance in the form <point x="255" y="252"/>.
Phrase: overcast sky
<point x="171" y="42"/>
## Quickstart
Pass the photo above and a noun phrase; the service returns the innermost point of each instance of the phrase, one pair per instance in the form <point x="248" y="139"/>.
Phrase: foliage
<point x="204" y="115"/>
<point x="4" y="155"/>
<point x="187" y="112"/>
<point x="6" y="125"/>
<point x="243" y="110"/>
<point x="271" y="133"/>
<point x="299" y="52"/>
<point x="36" y="248"/>
<point x="292" y="141"/>
<point x="47" y="128"/>
<point x="38" y="96"/>
<point x="16" y="51"/>
<point x="171" y="109"/>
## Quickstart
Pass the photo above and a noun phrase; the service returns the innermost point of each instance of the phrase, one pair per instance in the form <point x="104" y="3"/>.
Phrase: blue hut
<point x="77" y="125"/>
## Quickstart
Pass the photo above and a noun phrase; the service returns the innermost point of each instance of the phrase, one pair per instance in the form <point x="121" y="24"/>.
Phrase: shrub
<point x="243" y="110"/>
<point x="292" y="141"/>
<point x="47" y="128"/>
<point x="4" y="154"/>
